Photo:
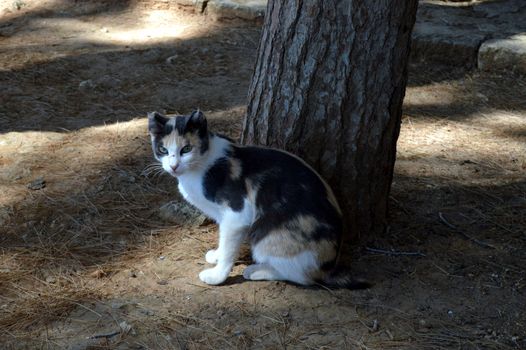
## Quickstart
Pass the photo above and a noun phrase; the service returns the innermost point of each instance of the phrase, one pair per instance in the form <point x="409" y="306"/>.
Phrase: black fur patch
<point x="329" y="265"/>
<point x="204" y="144"/>
<point x="194" y="123"/>
<point x="219" y="187"/>
<point x="180" y="124"/>
<point x="158" y="124"/>
<point x="287" y="188"/>
<point x="158" y="127"/>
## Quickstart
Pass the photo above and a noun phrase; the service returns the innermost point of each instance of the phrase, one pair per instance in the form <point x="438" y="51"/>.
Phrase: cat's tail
<point x="341" y="278"/>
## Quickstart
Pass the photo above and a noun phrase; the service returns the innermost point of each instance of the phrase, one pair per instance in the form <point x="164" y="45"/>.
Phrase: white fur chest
<point x="191" y="188"/>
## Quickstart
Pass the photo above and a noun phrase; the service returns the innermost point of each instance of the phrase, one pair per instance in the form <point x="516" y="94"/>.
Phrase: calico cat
<point x="269" y="197"/>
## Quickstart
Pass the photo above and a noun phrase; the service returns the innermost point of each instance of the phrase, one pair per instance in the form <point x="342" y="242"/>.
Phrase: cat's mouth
<point x="176" y="172"/>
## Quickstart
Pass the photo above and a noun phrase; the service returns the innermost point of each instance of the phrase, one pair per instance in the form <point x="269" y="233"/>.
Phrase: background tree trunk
<point x="328" y="85"/>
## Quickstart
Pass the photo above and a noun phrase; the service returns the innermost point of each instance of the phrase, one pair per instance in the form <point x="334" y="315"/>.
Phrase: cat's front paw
<point x="211" y="256"/>
<point x="213" y="276"/>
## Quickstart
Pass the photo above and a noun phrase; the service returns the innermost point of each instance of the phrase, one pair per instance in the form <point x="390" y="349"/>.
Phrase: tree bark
<point x="328" y="86"/>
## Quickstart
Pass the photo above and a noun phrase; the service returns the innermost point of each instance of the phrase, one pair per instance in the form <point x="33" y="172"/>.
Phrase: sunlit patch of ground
<point x="88" y="254"/>
<point x="46" y="30"/>
<point x="460" y="150"/>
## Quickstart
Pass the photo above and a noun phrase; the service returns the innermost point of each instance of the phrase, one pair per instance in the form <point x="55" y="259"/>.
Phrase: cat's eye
<point x="162" y="150"/>
<point x="186" y="149"/>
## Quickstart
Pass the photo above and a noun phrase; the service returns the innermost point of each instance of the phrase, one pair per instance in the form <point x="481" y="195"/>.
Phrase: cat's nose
<point x="174" y="167"/>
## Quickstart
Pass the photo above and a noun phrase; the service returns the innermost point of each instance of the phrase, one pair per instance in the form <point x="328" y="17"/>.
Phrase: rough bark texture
<point x="328" y="85"/>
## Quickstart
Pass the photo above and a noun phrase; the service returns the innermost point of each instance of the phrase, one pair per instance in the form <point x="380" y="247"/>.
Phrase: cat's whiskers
<point x="151" y="166"/>
<point x="152" y="170"/>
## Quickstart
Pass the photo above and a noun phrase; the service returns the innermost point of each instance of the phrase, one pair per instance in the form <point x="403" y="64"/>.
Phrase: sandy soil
<point x="87" y="255"/>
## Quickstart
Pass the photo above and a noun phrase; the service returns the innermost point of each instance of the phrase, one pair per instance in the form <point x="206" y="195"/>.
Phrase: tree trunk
<point x="328" y="85"/>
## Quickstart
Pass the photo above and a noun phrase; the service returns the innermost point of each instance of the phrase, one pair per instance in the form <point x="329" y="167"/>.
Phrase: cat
<point x="269" y="197"/>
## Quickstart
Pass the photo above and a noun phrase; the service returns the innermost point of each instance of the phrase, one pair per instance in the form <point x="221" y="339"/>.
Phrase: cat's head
<point x="180" y="143"/>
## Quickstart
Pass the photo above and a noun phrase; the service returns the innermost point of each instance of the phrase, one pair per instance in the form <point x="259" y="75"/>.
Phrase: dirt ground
<point x="86" y="262"/>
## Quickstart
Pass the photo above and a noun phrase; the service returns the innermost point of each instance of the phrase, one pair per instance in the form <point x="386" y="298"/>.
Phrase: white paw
<point x="213" y="276"/>
<point x="249" y="270"/>
<point x="211" y="256"/>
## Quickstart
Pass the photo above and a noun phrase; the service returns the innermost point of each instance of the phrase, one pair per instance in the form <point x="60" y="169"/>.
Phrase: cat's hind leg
<point x="258" y="272"/>
<point x="298" y="268"/>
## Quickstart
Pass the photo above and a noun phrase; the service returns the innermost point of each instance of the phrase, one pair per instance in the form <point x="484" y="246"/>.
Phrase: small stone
<point x="125" y="327"/>
<point x="105" y="30"/>
<point x="148" y="312"/>
<point x="162" y="282"/>
<point x="450" y="313"/>
<point x="171" y="59"/>
<point x="50" y="279"/>
<point x="37" y="184"/>
<point x="132" y="274"/>
<point x="18" y="4"/>
<point x="482" y="97"/>
<point x="86" y="85"/>
<point x="162" y="257"/>
<point x="375" y="326"/>
<point x="181" y="213"/>
<point x="238" y="332"/>
<point x="97" y="274"/>
<point x="220" y="313"/>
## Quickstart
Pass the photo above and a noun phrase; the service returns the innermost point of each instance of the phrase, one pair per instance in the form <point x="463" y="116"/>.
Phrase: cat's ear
<point x="197" y="117"/>
<point x="196" y="121"/>
<point x="156" y="122"/>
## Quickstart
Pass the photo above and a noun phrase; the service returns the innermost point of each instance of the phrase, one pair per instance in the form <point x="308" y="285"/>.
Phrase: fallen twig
<point x="445" y="222"/>
<point x="108" y="335"/>
<point x="465" y="235"/>
<point x="393" y="252"/>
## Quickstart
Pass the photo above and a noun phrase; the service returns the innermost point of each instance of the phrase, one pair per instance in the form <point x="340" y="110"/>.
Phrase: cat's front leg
<point x="231" y="235"/>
